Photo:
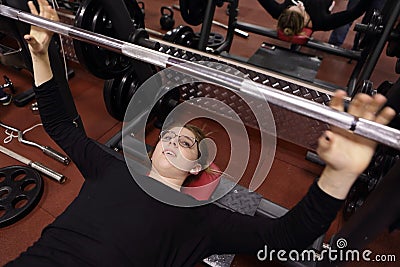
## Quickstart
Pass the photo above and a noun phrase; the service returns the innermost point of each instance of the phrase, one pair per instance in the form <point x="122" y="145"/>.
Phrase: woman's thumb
<point x="325" y="142"/>
<point x="30" y="40"/>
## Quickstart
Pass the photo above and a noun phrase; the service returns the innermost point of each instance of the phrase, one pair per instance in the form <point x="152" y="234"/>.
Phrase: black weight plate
<point x="126" y="89"/>
<point x="20" y="190"/>
<point x="118" y="92"/>
<point x="215" y="39"/>
<point x="109" y="96"/>
<point x="166" y="104"/>
<point x="182" y="35"/>
<point x="99" y="61"/>
<point x="192" y="11"/>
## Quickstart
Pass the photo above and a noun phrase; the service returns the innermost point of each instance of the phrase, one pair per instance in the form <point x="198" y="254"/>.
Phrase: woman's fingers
<point x="373" y="107"/>
<point x="337" y="100"/>
<point x="367" y="107"/>
<point x="385" y="116"/>
<point x="34" y="44"/>
<point x="32" y="8"/>
<point x="358" y="105"/>
<point x="53" y="14"/>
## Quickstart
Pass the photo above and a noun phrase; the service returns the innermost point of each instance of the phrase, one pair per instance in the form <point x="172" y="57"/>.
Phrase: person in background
<point x="293" y="15"/>
<point x="338" y="35"/>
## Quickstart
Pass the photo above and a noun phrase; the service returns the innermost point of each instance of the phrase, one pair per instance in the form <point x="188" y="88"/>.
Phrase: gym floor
<point x="286" y="183"/>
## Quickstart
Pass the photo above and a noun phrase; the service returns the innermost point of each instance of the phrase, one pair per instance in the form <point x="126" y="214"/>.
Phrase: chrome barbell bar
<point x="374" y="131"/>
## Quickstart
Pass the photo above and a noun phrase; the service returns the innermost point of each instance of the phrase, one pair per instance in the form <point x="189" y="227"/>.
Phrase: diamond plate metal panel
<point x="67" y="42"/>
<point x="238" y="199"/>
<point x="219" y="260"/>
<point x="291" y="126"/>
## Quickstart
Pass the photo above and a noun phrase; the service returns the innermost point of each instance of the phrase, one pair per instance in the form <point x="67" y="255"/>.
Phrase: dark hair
<point x="291" y="22"/>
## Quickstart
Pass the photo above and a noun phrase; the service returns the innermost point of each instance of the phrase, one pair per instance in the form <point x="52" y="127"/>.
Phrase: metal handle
<point x="237" y="31"/>
<point x="49" y="172"/>
<point x="56" y="155"/>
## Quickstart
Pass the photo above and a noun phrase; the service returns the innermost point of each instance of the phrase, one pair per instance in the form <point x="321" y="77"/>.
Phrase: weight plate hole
<point x="28" y="185"/>
<point x="4" y="192"/>
<point x="18" y="175"/>
<point x="2" y="211"/>
<point x="2" y="177"/>
<point x="19" y="202"/>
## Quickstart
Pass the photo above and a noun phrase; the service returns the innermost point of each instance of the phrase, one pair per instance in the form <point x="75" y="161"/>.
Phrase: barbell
<point x="374" y="131"/>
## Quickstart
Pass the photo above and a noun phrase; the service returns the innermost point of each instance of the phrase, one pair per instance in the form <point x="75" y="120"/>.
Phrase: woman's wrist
<point x="336" y="183"/>
<point x="41" y="68"/>
<point x="44" y="56"/>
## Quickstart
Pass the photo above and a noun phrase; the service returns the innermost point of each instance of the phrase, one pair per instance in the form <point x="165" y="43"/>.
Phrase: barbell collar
<point x="368" y="129"/>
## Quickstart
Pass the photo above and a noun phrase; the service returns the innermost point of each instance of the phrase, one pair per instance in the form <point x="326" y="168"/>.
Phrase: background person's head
<point x="291" y="20"/>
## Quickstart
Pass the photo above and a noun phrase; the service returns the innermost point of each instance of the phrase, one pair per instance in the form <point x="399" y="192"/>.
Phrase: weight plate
<point x="215" y="39"/>
<point x="166" y="104"/>
<point x="99" y="61"/>
<point x="109" y="98"/>
<point x="21" y="188"/>
<point x="118" y="92"/>
<point x="182" y="35"/>
<point x="126" y="89"/>
<point x="192" y="11"/>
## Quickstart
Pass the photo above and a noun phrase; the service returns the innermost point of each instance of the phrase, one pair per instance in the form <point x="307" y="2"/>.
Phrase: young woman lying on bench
<point x="299" y="19"/>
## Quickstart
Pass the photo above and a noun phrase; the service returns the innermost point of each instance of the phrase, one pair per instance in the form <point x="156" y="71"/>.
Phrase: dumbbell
<point x="8" y="84"/>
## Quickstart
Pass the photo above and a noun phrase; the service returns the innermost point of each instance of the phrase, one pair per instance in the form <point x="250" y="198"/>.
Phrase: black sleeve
<point x="66" y="129"/>
<point x="297" y="229"/>
<point x="335" y="20"/>
<point x="274" y="8"/>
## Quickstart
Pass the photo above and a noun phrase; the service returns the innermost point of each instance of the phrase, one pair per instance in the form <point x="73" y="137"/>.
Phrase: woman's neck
<point x="174" y="183"/>
<point x="307" y="20"/>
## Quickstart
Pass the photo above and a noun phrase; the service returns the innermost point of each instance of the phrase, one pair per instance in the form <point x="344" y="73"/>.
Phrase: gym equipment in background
<point x="46" y="149"/>
<point x="35" y="165"/>
<point x="8" y="84"/>
<point x="167" y="20"/>
<point x="20" y="190"/>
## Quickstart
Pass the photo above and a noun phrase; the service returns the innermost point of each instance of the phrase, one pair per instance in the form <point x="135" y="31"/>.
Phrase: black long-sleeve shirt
<point x="113" y="222"/>
<point x="318" y="10"/>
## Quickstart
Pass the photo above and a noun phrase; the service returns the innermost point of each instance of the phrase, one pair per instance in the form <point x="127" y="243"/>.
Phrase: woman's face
<point x="299" y="9"/>
<point x="175" y="153"/>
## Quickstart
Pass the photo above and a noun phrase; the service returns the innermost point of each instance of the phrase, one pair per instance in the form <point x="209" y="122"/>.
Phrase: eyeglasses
<point x="183" y="140"/>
